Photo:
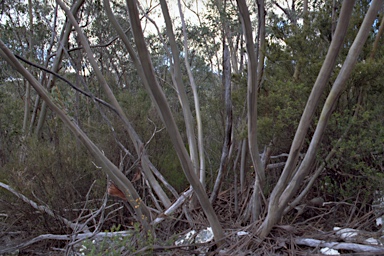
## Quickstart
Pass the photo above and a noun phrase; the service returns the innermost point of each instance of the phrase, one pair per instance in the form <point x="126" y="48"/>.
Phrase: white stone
<point x="186" y="239"/>
<point x="204" y="236"/>
<point x="242" y="233"/>
<point x="379" y="221"/>
<point x="329" y="251"/>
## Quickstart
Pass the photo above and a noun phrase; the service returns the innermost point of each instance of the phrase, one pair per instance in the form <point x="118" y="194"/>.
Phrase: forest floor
<point x="333" y="227"/>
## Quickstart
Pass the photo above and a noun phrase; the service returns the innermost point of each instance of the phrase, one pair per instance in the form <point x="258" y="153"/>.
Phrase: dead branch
<point x="43" y="208"/>
<point x="339" y="246"/>
<point x="174" y="206"/>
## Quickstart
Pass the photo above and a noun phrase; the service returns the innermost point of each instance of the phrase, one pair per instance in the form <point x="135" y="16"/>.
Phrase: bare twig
<point x="43" y="208"/>
<point x="174" y="206"/>
<point x="65" y="80"/>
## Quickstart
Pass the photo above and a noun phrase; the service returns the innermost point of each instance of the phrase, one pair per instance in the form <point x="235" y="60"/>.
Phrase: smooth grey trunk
<point x="243" y="164"/>
<point x="139" y="147"/>
<point x="255" y="70"/>
<point x="42" y="78"/>
<point x="134" y="136"/>
<point x="167" y="117"/>
<point x="200" y="137"/>
<point x="27" y="99"/>
<point x="27" y="96"/>
<point x="308" y="113"/>
<point x="236" y="178"/>
<point x="228" y="122"/>
<point x="334" y="18"/>
<point x="180" y="87"/>
<point x="257" y="162"/>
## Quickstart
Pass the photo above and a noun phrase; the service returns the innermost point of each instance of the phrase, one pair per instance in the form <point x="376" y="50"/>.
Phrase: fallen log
<point x="339" y="245"/>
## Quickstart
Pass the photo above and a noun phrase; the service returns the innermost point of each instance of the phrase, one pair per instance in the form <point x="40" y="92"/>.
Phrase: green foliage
<point x="280" y="110"/>
<point x="144" y="118"/>
<point x="360" y="156"/>
<point x="367" y="74"/>
<point x="15" y="28"/>
<point x="169" y="165"/>
<point x="357" y="165"/>
<point x="11" y="116"/>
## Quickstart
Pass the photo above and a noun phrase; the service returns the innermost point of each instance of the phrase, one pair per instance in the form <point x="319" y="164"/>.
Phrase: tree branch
<point x="42" y="208"/>
<point x="67" y="81"/>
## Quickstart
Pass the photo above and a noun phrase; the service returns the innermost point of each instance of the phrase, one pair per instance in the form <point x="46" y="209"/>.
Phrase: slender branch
<point x="228" y="123"/>
<point x="41" y="208"/>
<point x="178" y="81"/>
<point x="200" y="136"/>
<point x="377" y="40"/>
<point x="118" y="178"/>
<point x="67" y="81"/>
<point x="184" y="196"/>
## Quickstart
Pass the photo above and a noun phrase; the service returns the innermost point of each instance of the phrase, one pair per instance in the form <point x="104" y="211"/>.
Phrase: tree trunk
<point x="254" y="79"/>
<point x="188" y="118"/>
<point x="228" y="122"/>
<point x="166" y="115"/>
<point x="200" y="137"/>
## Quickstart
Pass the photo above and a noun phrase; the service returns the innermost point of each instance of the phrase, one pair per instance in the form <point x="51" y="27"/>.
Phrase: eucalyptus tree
<point x="124" y="184"/>
<point x="294" y="172"/>
<point x="145" y="70"/>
